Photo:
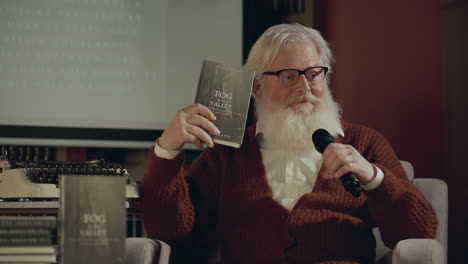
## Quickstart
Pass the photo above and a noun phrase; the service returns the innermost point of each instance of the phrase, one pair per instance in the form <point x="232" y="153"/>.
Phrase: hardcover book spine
<point x="31" y="259"/>
<point x="26" y="232"/>
<point x="28" y="250"/>
<point x="27" y="222"/>
<point x="25" y="241"/>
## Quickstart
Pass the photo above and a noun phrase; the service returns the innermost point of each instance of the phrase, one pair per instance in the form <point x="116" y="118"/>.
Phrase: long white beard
<point x="284" y="128"/>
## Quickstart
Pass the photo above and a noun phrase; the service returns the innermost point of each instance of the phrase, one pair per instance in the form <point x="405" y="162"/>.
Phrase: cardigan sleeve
<point x="396" y="205"/>
<point x="179" y="200"/>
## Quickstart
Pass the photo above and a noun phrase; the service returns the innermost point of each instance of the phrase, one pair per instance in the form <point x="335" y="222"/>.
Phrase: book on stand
<point x="92" y="219"/>
<point x="226" y="90"/>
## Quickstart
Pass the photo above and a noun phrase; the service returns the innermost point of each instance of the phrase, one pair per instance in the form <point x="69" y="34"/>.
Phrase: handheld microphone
<point x="321" y="139"/>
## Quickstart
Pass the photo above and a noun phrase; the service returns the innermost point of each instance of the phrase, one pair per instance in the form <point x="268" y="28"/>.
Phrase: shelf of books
<point x="134" y="220"/>
<point x="66" y="212"/>
<point x="28" y="239"/>
<point x="28" y="230"/>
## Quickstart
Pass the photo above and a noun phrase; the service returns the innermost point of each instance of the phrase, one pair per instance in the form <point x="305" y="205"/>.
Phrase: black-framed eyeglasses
<point x="289" y="77"/>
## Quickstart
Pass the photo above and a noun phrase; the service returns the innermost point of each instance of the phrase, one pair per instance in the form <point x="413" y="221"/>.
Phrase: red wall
<point x="454" y="25"/>
<point x="387" y="73"/>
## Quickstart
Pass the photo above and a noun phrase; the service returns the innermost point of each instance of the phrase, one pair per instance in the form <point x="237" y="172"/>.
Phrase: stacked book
<point x="27" y="239"/>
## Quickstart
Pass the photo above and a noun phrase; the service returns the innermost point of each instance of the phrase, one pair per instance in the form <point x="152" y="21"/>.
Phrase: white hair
<point x="277" y="38"/>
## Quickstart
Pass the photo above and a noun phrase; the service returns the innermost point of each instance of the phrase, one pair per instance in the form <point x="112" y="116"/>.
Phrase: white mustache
<point x="306" y="98"/>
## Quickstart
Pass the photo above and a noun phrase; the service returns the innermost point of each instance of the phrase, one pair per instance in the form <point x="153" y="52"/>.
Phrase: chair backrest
<point x="436" y="193"/>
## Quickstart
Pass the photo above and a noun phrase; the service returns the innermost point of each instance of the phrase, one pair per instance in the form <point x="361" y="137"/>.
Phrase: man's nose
<point x="303" y="85"/>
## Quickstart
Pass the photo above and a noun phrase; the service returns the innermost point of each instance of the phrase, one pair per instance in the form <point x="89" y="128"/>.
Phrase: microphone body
<point x="322" y="139"/>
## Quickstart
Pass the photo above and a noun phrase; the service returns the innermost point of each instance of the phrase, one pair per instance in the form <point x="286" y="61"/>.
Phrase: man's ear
<point x="256" y="87"/>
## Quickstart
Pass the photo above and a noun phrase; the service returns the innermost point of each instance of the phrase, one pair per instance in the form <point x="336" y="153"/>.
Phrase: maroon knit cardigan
<point x="223" y="202"/>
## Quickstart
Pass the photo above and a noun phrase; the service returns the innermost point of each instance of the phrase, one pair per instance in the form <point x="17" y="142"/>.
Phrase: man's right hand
<point x="190" y="125"/>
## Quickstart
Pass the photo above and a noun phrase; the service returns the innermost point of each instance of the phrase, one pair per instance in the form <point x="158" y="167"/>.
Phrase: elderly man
<point x="276" y="199"/>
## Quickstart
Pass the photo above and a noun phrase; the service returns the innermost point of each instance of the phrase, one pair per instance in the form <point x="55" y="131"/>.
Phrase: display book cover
<point x="92" y="219"/>
<point x="226" y="90"/>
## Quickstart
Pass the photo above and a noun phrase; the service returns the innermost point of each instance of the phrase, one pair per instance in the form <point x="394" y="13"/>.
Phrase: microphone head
<point x="321" y="139"/>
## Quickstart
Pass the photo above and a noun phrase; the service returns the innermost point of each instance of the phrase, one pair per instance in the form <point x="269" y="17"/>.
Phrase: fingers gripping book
<point x="226" y="90"/>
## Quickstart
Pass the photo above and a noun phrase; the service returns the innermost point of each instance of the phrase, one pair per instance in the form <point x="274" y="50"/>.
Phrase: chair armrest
<point x="414" y="251"/>
<point x="139" y="250"/>
<point x="436" y="193"/>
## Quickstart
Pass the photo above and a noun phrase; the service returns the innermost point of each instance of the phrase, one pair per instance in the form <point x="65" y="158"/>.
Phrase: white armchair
<point x="421" y="250"/>
<point x="140" y="250"/>
<point x="424" y="251"/>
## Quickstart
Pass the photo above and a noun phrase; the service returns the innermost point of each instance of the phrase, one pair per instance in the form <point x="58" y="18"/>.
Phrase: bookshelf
<point x="50" y="208"/>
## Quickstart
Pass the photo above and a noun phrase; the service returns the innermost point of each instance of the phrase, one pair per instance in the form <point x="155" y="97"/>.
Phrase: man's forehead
<point x="297" y="55"/>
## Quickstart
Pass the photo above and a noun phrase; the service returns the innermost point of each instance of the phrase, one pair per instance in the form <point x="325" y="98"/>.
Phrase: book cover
<point x="226" y="90"/>
<point x="92" y="219"/>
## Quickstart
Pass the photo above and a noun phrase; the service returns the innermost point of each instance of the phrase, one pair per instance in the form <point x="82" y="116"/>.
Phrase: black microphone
<point x="321" y="139"/>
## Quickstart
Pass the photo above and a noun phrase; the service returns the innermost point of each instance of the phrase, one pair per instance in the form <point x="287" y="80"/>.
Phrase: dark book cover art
<point x="92" y="219"/>
<point x="226" y="90"/>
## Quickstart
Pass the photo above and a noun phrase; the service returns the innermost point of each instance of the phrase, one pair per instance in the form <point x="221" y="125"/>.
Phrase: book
<point x="226" y="90"/>
<point x="34" y="258"/>
<point x="49" y="222"/>
<point x="26" y="232"/>
<point x="25" y="241"/>
<point x="92" y="219"/>
<point x="27" y="250"/>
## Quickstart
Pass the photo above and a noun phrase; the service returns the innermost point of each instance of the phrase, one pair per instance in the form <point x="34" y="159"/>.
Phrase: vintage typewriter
<point x="31" y="187"/>
<point x="27" y="181"/>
